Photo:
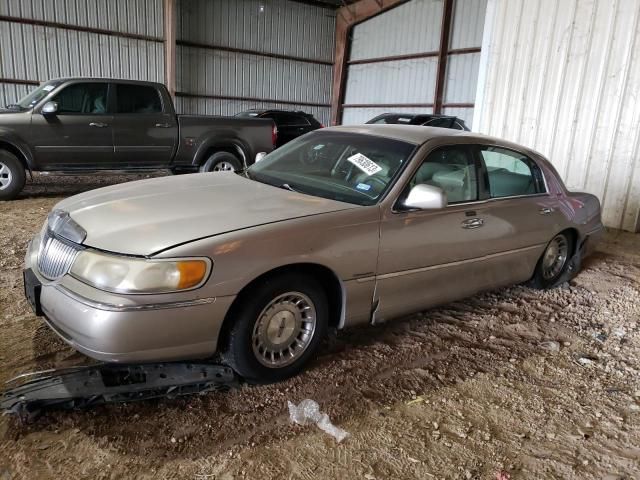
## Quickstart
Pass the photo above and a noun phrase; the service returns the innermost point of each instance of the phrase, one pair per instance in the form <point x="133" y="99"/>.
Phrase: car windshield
<point x="35" y="96"/>
<point x="346" y="167"/>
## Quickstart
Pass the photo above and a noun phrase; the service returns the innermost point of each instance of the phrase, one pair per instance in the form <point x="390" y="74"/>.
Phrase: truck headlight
<point x="135" y="275"/>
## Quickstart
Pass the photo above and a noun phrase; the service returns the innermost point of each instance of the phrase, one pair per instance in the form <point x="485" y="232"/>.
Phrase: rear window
<point x="138" y="99"/>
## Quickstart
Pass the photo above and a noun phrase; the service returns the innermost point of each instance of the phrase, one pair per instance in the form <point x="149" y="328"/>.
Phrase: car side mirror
<point x="425" y="197"/>
<point x="49" y="108"/>
<point x="260" y="156"/>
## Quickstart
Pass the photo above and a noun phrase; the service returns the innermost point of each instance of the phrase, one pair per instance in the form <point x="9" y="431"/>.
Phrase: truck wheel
<point x="12" y="176"/>
<point x="277" y="329"/>
<point x="221" y="162"/>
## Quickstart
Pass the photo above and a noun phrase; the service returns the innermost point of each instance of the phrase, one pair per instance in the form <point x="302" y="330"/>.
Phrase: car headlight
<point x="135" y="275"/>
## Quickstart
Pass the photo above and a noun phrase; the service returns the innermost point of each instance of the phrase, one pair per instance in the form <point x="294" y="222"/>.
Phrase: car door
<point x="429" y="257"/>
<point x="145" y="131"/>
<point x="519" y="213"/>
<point x="79" y="134"/>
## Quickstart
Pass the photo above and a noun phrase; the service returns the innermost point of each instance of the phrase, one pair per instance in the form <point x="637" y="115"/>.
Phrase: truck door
<point x="145" y="131"/>
<point x="79" y="133"/>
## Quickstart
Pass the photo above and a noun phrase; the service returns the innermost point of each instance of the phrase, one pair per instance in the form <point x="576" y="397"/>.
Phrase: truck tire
<point x="221" y="162"/>
<point x="12" y="176"/>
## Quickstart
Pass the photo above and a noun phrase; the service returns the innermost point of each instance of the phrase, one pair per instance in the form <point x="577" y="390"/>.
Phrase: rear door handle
<point x="545" y="211"/>
<point x="163" y="125"/>
<point x="98" y="124"/>
<point x="473" y="223"/>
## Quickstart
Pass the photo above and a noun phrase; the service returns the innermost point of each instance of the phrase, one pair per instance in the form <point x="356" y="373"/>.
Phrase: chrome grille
<point x="55" y="257"/>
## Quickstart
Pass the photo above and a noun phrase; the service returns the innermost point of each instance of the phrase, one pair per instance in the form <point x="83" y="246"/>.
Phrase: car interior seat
<point x="99" y="105"/>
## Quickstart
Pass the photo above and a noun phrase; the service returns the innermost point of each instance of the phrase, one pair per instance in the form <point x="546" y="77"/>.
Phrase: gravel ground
<point x="515" y="383"/>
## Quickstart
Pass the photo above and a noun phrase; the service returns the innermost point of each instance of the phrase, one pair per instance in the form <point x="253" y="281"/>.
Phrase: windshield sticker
<point x="319" y="147"/>
<point x="365" y="164"/>
<point x="48" y="88"/>
<point x="363" y="186"/>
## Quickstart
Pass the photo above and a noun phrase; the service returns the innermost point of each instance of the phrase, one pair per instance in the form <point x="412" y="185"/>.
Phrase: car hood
<point x="148" y="216"/>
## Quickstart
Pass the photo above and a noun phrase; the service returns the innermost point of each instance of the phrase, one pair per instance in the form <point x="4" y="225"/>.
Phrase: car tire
<point x="277" y="328"/>
<point x="12" y="176"/>
<point x="221" y="162"/>
<point x="554" y="263"/>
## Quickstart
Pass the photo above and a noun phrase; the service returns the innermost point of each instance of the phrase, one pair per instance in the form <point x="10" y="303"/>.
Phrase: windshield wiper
<point x="13" y="106"/>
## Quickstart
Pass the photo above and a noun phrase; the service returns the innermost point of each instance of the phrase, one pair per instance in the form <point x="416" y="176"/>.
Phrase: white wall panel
<point x="32" y="52"/>
<point x="142" y="17"/>
<point x="272" y="26"/>
<point x="468" y="23"/>
<point x="211" y="72"/>
<point x="413" y="27"/>
<point x="461" y="78"/>
<point x="402" y="81"/>
<point x="563" y="78"/>
<point x="282" y="28"/>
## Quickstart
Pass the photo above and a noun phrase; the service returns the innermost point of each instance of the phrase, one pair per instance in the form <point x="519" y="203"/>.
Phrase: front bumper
<point x="123" y="329"/>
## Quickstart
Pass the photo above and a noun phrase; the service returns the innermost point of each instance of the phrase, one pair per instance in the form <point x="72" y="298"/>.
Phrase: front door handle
<point x="473" y="223"/>
<point x="163" y="125"/>
<point x="98" y="124"/>
<point x="545" y="211"/>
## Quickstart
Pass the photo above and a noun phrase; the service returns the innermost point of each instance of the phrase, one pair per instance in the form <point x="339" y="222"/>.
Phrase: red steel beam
<point x="445" y="31"/>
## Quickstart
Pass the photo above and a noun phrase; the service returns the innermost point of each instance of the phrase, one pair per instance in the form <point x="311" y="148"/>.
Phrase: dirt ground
<point x="467" y="391"/>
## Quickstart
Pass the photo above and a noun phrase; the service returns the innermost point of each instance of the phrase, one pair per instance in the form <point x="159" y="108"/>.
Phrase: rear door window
<point x="83" y="98"/>
<point x="510" y="173"/>
<point x="137" y="99"/>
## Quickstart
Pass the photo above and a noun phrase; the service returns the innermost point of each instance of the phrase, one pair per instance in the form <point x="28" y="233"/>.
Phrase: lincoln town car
<point x="341" y="227"/>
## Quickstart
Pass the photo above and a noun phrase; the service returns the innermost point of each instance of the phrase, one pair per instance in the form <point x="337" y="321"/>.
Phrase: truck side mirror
<point x="49" y="108"/>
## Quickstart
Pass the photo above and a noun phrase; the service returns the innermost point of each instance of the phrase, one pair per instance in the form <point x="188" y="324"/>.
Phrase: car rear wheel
<point x="221" y="162"/>
<point x="12" y="176"/>
<point x="277" y="329"/>
<point x="555" y="261"/>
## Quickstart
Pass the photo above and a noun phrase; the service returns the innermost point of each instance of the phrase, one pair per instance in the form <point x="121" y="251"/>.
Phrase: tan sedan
<point x="344" y="226"/>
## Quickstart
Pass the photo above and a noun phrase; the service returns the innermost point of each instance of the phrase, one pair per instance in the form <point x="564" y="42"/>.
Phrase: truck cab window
<point x="137" y="99"/>
<point x="83" y="98"/>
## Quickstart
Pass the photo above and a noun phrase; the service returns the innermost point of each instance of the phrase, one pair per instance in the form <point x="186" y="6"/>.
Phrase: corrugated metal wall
<point x="43" y="39"/>
<point x="234" y="55"/>
<point x="375" y="77"/>
<point x="564" y="78"/>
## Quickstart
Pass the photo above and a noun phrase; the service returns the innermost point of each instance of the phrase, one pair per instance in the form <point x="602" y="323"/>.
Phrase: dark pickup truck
<point x="90" y="124"/>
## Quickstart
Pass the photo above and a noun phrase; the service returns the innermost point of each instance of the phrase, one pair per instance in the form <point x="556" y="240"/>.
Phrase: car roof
<point x="418" y="134"/>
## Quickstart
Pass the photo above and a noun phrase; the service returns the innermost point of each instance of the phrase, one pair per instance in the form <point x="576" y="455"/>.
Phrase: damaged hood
<point x="147" y="216"/>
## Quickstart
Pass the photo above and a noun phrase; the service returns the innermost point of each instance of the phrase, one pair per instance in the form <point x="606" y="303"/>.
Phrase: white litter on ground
<point x="308" y="411"/>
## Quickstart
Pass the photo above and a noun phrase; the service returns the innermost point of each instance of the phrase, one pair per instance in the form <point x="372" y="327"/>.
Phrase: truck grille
<point x="55" y="257"/>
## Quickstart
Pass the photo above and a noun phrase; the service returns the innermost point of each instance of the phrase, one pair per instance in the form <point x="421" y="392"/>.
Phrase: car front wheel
<point x="277" y="328"/>
<point x="12" y="176"/>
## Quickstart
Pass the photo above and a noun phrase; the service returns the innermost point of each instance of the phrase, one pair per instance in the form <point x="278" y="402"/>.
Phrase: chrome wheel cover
<point x="223" y="167"/>
<point x="555" y="257"/>
<point x="284" y="330"/>
<point x="5" y="176"/>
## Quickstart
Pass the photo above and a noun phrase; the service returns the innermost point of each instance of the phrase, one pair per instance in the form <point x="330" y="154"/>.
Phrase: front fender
<point x="10" y="138"/>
